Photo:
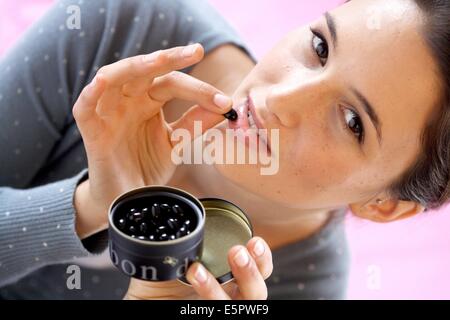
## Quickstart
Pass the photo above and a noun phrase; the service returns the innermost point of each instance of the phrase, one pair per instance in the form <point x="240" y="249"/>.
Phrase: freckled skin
<point x="322" y="166"/>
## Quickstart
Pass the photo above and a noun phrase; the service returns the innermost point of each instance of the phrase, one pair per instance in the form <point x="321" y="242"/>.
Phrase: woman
<point x="358" y="77"/>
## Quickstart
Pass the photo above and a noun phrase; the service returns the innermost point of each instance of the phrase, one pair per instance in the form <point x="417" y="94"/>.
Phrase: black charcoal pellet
<point x="156" y="210"/>
<point x="163" y="237"/>
<point x="177" y="209"/>
<point x="122" y="223"/>
<point x="137" y="216"/>
<point x="173" y="223"/>
<point x="231" y="115"/>
<point x="161" y="229"/>
<point x="165" y="208"/>
<point x="143" y="227"/>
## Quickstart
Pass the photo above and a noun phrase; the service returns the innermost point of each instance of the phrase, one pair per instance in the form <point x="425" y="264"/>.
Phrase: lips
<point x="248" y="119"/>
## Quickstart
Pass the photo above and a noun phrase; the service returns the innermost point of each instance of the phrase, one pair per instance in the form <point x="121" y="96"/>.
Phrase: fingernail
<point x="150" y="58"/>
<point x="189" y="50"/>
<point x="241" y="258"/>
<point x="222" y="101"/>
<point x="93" y="82"/>
<point x="200" y="274"/>
<point x="258" y="249"/>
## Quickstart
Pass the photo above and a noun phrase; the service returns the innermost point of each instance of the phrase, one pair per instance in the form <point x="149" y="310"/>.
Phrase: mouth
<point x="248" y="119"/>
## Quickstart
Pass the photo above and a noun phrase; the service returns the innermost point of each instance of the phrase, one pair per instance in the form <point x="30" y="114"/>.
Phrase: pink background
<point x="402" y="260"/>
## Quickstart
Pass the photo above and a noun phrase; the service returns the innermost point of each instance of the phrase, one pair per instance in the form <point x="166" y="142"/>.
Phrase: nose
<point x="290" y="102"/>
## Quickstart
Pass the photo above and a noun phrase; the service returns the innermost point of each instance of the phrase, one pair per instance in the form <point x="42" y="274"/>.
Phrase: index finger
<point x="152" y="65"/>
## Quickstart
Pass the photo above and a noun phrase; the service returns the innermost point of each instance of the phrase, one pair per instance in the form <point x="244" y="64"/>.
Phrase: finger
<point x="185" y="87"/>
<point x="84" y="110"/>
<point x="152" y="65"/>
<point x="205" y="118"/>
<point x="204" y="283"/>
<point x="246" y="273"/>
<point x="261" y="253"/>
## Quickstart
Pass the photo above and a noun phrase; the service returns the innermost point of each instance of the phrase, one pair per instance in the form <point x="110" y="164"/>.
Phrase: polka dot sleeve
<point x="42" y="155"/>
<point x="37" y="227"/>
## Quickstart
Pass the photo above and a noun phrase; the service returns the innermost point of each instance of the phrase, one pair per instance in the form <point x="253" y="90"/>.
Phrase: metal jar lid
<point x="226" y="225"/>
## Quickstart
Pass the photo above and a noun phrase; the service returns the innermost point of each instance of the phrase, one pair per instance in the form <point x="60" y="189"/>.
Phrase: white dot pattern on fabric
<point x="189" y="19"/>
<point x="26" y="59"/>
<point x="113" y="30"/>
<point x="137" y="19"/>
<point x="82" y="34"/>
<point x="7" y="213"/>
<point x="44" y="244"/>
<point x="300" y="286"/>
<point x="61" y="27"/>
<point x="10" y="246"/>
<point x="101" y="10"/>
<point x="58" y="226"/>
<point x="161" y="16"/>
<point x="311" y="267"/>
<point x="82" y="73"/>
<point x="46" y="57"/>
<point x="36" y="258"/>
<point x="64" y="61"/>
<point x="17" y="151"/>
<point x="38" y="90"/>
<point x="24" y="229"/>
<point x="41" y="30"/>
<point x="60" y="90"/>
<point x="29" y="198"/>
<point x="276" y="279"/>
<point x="61" y="189"/>
<point x="117" y="55"/>
<point x="16" y="123"/>
<point x="19" y="90"/>
<point x="165" y="43"/>
<point x="41" y="209"/>
<point x="95" y="279"/>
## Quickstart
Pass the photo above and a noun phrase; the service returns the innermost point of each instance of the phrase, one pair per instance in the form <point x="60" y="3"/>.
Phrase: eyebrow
<point x="368" y="108"/>
<point x="331" y="24"/>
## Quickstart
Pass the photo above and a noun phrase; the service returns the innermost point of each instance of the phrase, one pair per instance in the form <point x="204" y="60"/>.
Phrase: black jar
<point x="156" y="232"/>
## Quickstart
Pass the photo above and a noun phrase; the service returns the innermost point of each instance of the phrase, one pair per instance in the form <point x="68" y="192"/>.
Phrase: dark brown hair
<point x="428" y="181"/>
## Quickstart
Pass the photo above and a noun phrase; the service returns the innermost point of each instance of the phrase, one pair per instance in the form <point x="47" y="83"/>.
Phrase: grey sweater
<point x="43" y="159"/>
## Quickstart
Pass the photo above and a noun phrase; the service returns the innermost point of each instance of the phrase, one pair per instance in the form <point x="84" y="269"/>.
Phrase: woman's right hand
<point x="122" y="124"/>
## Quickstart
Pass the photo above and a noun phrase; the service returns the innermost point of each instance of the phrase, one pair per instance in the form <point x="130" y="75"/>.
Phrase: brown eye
<point x="320" y="46"/>
<point x="354" y="124"/>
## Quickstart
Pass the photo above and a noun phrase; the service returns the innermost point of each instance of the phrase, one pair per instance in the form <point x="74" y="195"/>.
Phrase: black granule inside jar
<point x="155" y="218"/>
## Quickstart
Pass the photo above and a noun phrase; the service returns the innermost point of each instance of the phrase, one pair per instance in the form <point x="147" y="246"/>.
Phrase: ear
<point x="386" y="210"/>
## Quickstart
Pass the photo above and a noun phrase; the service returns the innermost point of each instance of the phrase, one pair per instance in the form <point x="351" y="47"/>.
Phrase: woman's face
<point x="350" y="94"/>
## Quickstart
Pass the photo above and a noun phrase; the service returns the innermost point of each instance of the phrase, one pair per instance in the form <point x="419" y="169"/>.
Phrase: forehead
<point x="382" y="52"/>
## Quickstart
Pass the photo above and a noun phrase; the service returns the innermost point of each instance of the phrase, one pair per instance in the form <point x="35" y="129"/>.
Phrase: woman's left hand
<point x="250" y="265"/>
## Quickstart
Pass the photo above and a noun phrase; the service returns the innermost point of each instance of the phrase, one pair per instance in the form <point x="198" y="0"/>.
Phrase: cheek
<point x="318" y="167"/>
